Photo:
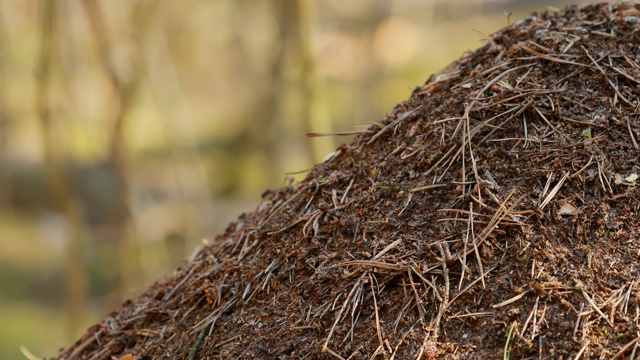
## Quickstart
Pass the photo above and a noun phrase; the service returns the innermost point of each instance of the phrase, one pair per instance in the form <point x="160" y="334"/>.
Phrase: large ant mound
<point x="493" y="214"/>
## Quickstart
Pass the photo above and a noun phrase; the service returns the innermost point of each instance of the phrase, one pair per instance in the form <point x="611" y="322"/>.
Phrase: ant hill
<point x="493" y="214"/>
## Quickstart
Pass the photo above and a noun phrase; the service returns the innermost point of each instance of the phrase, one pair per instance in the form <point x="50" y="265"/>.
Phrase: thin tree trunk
<point x="126" y="254"/>
<point x="5" y="122"/>
<point x="54" y="162"/>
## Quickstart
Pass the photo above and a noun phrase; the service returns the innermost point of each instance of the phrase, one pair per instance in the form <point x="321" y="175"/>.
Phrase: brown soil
<point x="494" y="211"/>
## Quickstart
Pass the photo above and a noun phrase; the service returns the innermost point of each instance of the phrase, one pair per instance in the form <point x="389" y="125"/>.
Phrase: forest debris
<point x="567" y="209"/>
<point x="357" y="259"/>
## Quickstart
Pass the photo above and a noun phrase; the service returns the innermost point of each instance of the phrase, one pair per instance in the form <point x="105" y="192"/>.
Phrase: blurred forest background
<point x="131" y="130"/>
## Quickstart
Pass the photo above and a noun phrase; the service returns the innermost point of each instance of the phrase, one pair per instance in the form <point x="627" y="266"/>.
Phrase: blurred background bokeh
<point x="131" y="130"/>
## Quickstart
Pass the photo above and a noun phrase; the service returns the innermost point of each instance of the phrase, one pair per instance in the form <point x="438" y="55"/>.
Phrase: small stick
<point x="445" y="296"/>
<point x="409" y="198"/>
<point x="586" y="345"/>
<point x="326" y="349"/>
<point x="551" y="58"/>
<point x="370" y="263"/>
<point x="194" y="349"/>
<point x="595" y="307"/>
<point x="510" y="301"/>
<point x="473" y="159"/>
<point x="476" y="314"/>
<point x="554" y="191"/>
<point x="633" y="342"/>
<point x="550" y="125"/>
<point x="633" y="138"/>
<point x="429" y="283"/>
<point x="427" y="187"/>
<point x="358" y="283"/>
<point x="583" y="168"/>
<point x="223" y="343"/>
<point x="468" y="287"/>
<point x="341" y="133"/>
<point x="421" y="309"/>
<point x="531" y="315"/>
<point x="606" y="76"/>
<point x="400" y="118"/>
<point x="344" y="196"/>
<point x="466" y="242"/>
<point x="386" y="249"/>
<point x="575" y="329"/>
<point x="375" y="308"/>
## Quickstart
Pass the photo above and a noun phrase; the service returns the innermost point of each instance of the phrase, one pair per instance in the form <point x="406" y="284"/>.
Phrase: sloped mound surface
<point x="494" y="211"/>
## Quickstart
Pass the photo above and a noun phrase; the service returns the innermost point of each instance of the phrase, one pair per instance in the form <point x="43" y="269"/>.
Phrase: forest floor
<point x="494" y="214"/>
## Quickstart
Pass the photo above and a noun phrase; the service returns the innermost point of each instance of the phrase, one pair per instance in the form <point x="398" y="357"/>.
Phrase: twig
<point x="468" y="141"/>
<point x="456" y="296"/>
<point x="331" y="352"/>
<point x="551" y="58"/>
<point x="28" y="354"/>
<point x="633" y="138"/>
<point x="415" y="269"/>
<point x="532" y="314"/>
<point x="357" y="284"/>
<point x="601" y="177"/>
<point x="214" y="316"/>
<point x="584" y="167"/>
<point x="494" y="80"/>
<point x="550" y="125"/>
<point x="78" y="350"/>
<point x="388" y="248"/>
<point x="440" y="78"/>
<point x="406" y="205"/>
<point x="400" y="118"/>
<point x="370" y="263"/>
<point x="584" y="347"/>
<point x="466" y="242"/>
<point x="427" y="187"/>
<point x="223" y="343"/>
<point x="340" y="133"/>
<point x="194" y="349"/>
<point x="595" y="307"/>
<point x="344" y="196"/>
<point x="510" y="301"/>
<point x="575" y="328"/>
<point x="554" y="191"/>
<point x="475" y="246"/>
<point x="473" y="315"/>
<point x="633" y="342"/>
<point x="375" y="308"/>
<point x="435" y="324"/>
<point x="421" y="309"/>
<point x="291" y="225"/>
<point x="498" y="217"/>
<point x="537" y="319"/>
<point x="606" y="76"/>
<point x="277" y="208"/>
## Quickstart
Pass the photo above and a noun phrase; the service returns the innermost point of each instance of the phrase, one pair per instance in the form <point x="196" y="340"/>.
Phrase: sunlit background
<point x="131" y="130"/>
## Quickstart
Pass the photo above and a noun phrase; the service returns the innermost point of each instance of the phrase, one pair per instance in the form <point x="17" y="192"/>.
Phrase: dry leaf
<point x="567" y="209"/>
<point x="631" y="178"/>
<point x="632" y="11"/>
<point x="618" y="179"/>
